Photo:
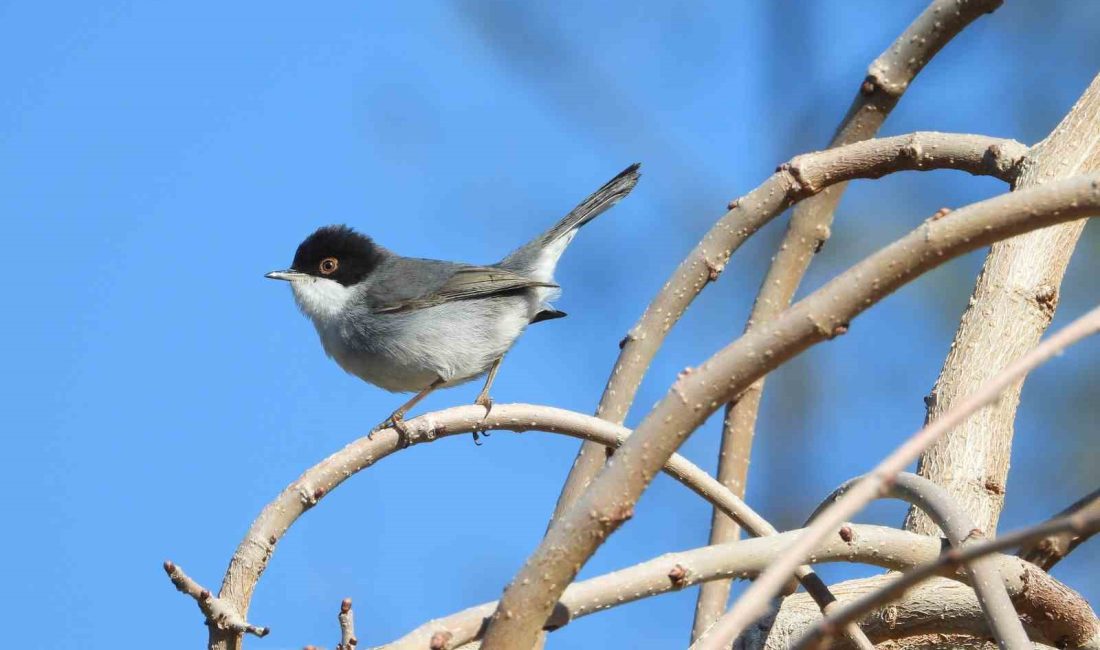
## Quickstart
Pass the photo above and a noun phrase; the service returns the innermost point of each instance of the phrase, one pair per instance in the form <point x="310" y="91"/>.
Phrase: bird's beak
<point x="288" y="275"/>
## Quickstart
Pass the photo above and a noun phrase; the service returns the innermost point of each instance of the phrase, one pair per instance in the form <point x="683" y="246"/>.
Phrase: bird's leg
<point x="397" y="418"/>
<point x="483" y="398"/>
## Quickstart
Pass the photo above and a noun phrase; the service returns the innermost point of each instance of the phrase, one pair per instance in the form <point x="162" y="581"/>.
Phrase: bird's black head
<point x="337" y="253"/>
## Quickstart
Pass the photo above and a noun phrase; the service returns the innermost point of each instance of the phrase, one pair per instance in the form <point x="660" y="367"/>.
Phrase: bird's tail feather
<point x="539" y="257"/>
<point x="595" y="205"/>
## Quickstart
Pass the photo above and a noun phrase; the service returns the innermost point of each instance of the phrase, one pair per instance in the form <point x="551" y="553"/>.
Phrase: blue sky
<point x="158" y="158"/>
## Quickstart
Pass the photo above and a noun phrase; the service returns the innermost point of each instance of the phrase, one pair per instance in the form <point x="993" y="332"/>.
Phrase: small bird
<point x="414" y="325"/>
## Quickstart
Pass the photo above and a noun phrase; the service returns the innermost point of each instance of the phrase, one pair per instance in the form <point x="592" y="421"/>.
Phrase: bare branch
<point x="887" y="79"/>
<point x="347" y="627"/>
<point x="1048" y="551"/>
<point x="1013" y="303"/>
<point x="875" y="545"/>
<point x="754" y="602"/>
<point x="1084" y="522"/>
<point x="939" y="613"/>
<point x="219" y="614"/>
<point x="255" y="550"/>
<point x="574" y="537"/>
<point x="961" y="532"/>
<point x="798" y="179"/>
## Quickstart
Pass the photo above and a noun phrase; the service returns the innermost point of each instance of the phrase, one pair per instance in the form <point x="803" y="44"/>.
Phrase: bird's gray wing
<point x="465" y="283"/>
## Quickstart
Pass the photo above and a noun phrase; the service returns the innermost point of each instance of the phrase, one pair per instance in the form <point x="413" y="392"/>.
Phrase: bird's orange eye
<point x="329" y="265"/>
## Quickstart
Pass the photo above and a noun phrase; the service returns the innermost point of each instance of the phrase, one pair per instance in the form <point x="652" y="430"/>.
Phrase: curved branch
<point x="939" y="612"/>
<point x="754" y="602"/>
<point x="934" y="501"/>
<point x="1084" y="522"/>
<point x="880" y="546"/>
<point x="255" y="550"/>
<point x="876" y="545"/>
<point x="803" y="176"/>
<point x="574" y="537"/>
<point x="888" y="77"/>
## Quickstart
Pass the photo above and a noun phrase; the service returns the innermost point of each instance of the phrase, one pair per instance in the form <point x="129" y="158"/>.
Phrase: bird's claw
<point x="396" y="421"/>
<point x="484" y="401"/>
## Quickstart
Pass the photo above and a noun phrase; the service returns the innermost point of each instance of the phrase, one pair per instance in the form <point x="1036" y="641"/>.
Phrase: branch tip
<point x="219" y="613"/>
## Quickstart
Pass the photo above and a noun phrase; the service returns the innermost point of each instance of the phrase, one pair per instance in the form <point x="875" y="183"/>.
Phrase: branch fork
<point x="219" y="613"/>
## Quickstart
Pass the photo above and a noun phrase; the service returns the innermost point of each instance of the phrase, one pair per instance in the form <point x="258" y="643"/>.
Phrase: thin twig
<point x="347" y="627"/>
<point x="887" y="79"/>
<point x="959" y="528"/>
<point x="255" y="550"/>
<point x="219" y="613"/>
<point x="826" y="313"/>
<point x="1085" y="523"/>
<point x="1048" y="551"/>
<point x="798" y="179"/>
<point x="754" y="602"/>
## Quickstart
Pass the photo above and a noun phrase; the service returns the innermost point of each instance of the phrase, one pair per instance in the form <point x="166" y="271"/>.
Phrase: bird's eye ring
<point x="329" y="265"/>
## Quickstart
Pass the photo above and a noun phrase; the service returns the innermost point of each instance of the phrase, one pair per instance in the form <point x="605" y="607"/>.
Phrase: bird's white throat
<point x="320" y="298"/>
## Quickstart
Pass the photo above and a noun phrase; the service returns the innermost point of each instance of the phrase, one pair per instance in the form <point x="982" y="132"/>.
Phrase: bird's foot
<point x="483" y="400"/>
<point x="396" y="421"/>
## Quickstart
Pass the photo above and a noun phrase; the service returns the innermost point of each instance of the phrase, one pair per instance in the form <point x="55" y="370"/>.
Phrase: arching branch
<point x="826" y="313"/>
<point x="801" y="178"/>
<point x="888" y="77"/>
<point x="255" y="550"/>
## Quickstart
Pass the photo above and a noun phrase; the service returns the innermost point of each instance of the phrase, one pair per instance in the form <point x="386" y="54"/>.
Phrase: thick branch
<point x="887" y="78"/>
<point x="959" y="528"/>
<point x="939" y="613"/>
<point x="255" y="550"/>
<point x="695" y="395"/>
<point x="1084" y="523"/>
<point x="802" y="177"/>
<point x="1013" y="304"/>
<point x="754" y="602"/>
<point x="1047" y="551"/>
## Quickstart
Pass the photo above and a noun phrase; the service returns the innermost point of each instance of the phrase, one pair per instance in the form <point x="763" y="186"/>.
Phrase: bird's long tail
<point x="540" y="256"/>
<point x="595" y="205"/>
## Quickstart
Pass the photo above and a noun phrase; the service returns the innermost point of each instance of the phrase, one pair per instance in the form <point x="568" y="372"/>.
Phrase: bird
<point x="417" y="325"/>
